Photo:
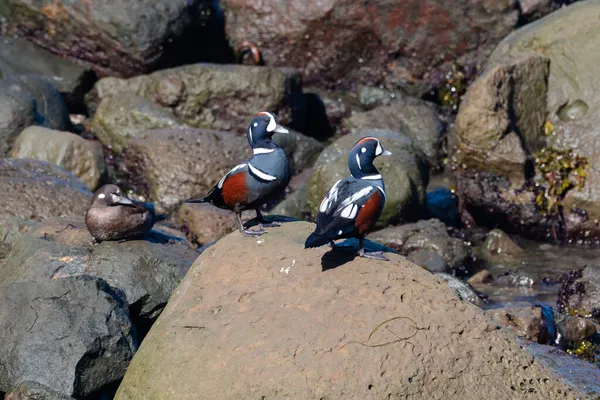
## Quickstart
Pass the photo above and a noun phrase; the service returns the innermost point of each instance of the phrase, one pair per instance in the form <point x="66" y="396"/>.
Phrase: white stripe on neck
<point x="263" y="151"/>
<point x="358" y="161"/>
<point x="372" y="177"/>
<point x="260" y="174"/>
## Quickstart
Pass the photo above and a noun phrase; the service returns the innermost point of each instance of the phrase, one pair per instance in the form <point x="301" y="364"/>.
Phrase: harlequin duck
<point x="251" y="184"/>
<point x="113" y="216"/>
<point x="353" y="205"/>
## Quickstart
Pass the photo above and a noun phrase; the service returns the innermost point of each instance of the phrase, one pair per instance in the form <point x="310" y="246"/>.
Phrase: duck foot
<point x="266" y="224"/>
<point x="253" y="232"/>
<point x="375" y="255"/>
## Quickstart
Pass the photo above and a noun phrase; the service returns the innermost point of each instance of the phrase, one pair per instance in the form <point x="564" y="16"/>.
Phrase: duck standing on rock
<point x="251" y="184"/>
<point x="353" y="205"/>
<point x="113" y="216"/>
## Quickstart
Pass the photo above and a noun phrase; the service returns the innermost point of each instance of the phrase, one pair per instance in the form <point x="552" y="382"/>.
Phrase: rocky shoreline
<point x="489" y="111"/>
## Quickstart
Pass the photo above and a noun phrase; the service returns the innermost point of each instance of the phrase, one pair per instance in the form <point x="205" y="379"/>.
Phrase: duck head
<point x="361" y="157"/>
<point x="262" y="128"/>
<point x="109" y="196"/>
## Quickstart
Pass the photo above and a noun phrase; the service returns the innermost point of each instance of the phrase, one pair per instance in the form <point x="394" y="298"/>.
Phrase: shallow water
<point x="535" y="276"/>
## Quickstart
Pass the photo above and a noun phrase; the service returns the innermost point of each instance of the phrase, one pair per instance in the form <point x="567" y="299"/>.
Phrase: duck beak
<point x="280" y="129"/>
<point x="386" y="153"/>
<point x="125" y="201"/>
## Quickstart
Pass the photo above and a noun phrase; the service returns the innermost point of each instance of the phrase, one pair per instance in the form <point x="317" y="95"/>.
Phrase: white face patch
<point x="363" y="150"/>
<point x="101" y="196"/>
<point x="272" y="124"/>
<point x="340" y="232"/>
<point x="115" y="198"/>
<point x="255" y="124"/>
<point x="379" y="150"/>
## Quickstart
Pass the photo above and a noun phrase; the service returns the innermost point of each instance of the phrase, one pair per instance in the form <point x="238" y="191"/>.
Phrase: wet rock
<point x="572" y="97"/>
<point x="276" y="303"/>
<point x="412" y="117"/>
<point x="580" y="292"/>
<point x="127" y="115"/>
<point x="525" y="322"/>
<point x="346" y="43"/>
<point x="578" y="373"/>
<point x="501" y="118"/>
<point x="71" y="335"/>
<point x="481" y="278"/>
<point x="206" y="223"/>
<point x="492" y="201"/>
<point x="499" y="246"/>
<point x="84" y="158"/>
<point x="426" y="235"/>
<point x="17" y="112"/>
<point x="34" y="391"/>
<point x="21" y="57"/>
<point x="36" y="189"/>
<point x="145" y="271"/>
<point x="463" y="290"/>
<point x="430" y="260"/>
<point x="171" y="165"/>
<point x="576" y="329"/>
<point x="405" y="173"/>
<point x="210" y="96"/>
<point x="116" y="38"/>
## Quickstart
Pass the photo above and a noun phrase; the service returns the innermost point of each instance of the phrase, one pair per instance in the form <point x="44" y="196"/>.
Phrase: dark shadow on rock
<point x="347" y="250"/>
<point x="203" y="40"/>
<point x="317" y="124"/>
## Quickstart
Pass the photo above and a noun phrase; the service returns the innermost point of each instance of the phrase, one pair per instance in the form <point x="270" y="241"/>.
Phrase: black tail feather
<point x="200" y="200"/>
<point x="315" y="240"/>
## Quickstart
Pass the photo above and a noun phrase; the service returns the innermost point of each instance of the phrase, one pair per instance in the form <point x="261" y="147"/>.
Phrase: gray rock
<point x="295" y="205"/>
<point x="302" y="151"/>
<point x="210" y="96"/>
<point x="144" y="271"/>
<point x="17" y="112"/>
<point x="36" y="189"/>
<point x="525" y="322"/>
<point x="462" y="289"/>
<point x="410" y="116"/>
<point x="72" y="335"/>
<point x="120" y="37"/>
<point x="582" y="293"/>
<point x="405" y="174"/>
<point x="171" y="165"/>
<point x="501" y="118"/>
<point x="21" y="57"/>
<point x="499" y="247"/>
<point x="430" y="236"/>
<point x="84" y="158"/>
<point x="50" y="105"/>
<point x="575" y="329"/>
<point x="127" y="115"/>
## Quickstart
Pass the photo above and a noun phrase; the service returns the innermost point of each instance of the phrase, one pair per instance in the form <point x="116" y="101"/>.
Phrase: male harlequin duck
<point x="251" y="184"/>
<point x="113" y="216"/>
<point x="353" y="205"/>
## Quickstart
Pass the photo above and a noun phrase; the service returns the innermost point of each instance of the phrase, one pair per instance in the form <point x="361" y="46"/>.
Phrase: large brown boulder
<point x="369" y="42"/>
<point x="117" y="37"/>
<point x="261" y="318"/>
